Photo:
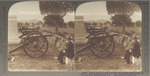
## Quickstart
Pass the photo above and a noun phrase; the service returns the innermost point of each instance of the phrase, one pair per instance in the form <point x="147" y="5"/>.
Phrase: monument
<point x="13" y="35"/>
<point x="80" y="32"/>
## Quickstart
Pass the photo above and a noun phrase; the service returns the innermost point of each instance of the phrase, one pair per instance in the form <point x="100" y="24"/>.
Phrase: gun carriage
<point x="35" y="44"/>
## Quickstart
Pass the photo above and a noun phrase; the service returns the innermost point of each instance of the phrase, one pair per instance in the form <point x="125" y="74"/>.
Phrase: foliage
<point x="65" y="24"/>
<point x="26" y="23"/>
<point x="71" y="24"/>
<point x="94" y="24"/>
<point x="52" y="20"/>
<point x="121" y="8"/>
<point x="138" y="23"/>
<point x="87" y="23"/>
<point x="118" y="20"/>
<point x="39" y="23"/>
<point x="19" y="23"/>
<point x="54" y="8"/>
<point x="107" y="23"/>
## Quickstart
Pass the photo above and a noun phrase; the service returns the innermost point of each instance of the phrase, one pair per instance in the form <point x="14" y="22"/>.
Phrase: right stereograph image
<point x="108" y="36"/>
<point x="99" y="36"/>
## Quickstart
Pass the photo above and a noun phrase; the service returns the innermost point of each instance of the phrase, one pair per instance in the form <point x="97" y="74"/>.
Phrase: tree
<point x="39" y="23"/>
<point x="65" y="24"/>
<point x="123" y="9"/>
<point x="101" y="24"/>
<point x="19" y="23"/>
<point x="119" y="19"/>
<point x="138" y="23"/>
<point x="71" y="24"/>
<point x="94" y="24"/>
<point x="26" y="24"/>
<point x="54" y="12"/>
<point x="87" y="23"/>
<point x="52" y="20"/>
<point x="107" y="23"/>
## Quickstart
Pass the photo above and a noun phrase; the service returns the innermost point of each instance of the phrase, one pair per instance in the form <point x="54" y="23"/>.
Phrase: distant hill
<point x="29" y="21"/>
<point x="97" y="21"/>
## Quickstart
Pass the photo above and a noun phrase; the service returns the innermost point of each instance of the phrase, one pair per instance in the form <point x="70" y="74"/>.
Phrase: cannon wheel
<point x="36" y="45"/>
<point x="103" y="46"/>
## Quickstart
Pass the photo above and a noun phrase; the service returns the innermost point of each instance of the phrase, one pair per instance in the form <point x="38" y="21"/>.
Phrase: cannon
<point x="100" y="42"/>
<point x="33" y="42"/>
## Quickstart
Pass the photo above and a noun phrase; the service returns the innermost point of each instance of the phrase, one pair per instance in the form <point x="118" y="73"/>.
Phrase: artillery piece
<point x="35" y="44"/>
<point x="100" y="42"/>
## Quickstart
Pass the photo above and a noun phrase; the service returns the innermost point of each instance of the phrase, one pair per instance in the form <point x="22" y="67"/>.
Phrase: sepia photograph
<point x="108" y="36"/>
<point x="98" y="36"/>
<point x="40" y="36"/>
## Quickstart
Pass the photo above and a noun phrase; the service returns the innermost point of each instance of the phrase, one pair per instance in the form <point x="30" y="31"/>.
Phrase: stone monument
<point x="13" y="35"/>
<point x="80" y="32"/>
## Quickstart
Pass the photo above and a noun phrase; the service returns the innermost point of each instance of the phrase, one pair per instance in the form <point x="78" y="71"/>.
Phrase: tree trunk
<point x="124" y="25"/>
<point x="56" y="29"/>
<point x="123" y="28"/>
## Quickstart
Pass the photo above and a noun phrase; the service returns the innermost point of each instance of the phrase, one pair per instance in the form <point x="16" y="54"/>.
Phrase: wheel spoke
<point x="37" y="45"/>
<point x="103" y="47"/>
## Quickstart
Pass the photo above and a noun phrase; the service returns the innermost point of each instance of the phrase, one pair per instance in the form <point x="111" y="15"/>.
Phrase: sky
<point x="30" y="10"/>
<point x="91" y="11"/>
<point x="97" y="10"/>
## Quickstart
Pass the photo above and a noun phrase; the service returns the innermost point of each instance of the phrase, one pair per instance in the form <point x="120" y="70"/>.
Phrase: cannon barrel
<point x="17" y="48"/>
<point x="104" y="35"/>
<point x="82" y="49"/>
<point x="112" y="35"/>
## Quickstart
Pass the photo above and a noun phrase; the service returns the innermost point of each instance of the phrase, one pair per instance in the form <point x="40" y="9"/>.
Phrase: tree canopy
<point x="121" y="8"/>
<point x="71" y="24"/>
<point x="138" y="23"/>
<point x="54" y="12"/>
<point x="121" y="12"/>
<point x="52" y="20"/>
<point x="54" y="8"/>
<point x="118" y="20"/>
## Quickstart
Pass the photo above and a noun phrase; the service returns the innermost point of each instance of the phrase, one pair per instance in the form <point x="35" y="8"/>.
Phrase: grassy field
<point x="114" y="62"/>
<point x="52" y="29"/>
<point x="88" y="62"/>
<point x="22" y="62"/>
<point x="72" y="30"/>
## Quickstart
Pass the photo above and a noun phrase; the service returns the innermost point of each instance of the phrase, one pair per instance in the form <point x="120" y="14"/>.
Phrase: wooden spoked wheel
<point x="103" y="45"/>
<point x="36" y="45"/>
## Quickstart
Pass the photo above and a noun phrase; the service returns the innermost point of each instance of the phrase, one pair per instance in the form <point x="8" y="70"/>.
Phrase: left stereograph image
<point x="39" y="34"/>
